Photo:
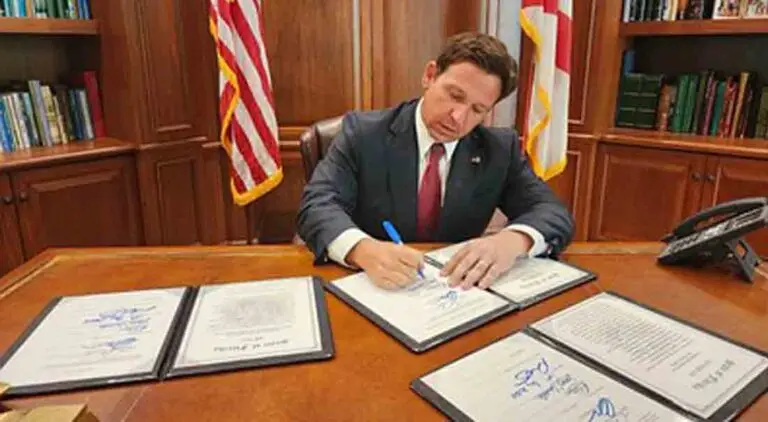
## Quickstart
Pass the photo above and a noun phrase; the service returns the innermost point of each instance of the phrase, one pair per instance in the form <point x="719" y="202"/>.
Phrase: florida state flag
<point x="548" y="24"/>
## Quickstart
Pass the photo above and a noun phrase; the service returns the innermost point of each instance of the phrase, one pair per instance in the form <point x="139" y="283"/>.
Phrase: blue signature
<point x="604" y="408"/>
<point x="447" y="300"/>
<point x="524" y="377"/>
<point x="131" y="320"/>
<point x="542" y="381"/>
<point x="107" y="347"/>
<point x="119" y="314"/>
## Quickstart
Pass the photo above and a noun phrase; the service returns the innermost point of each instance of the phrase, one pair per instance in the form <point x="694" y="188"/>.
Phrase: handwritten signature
<point x="566" y="385"/>
<point x="540" y="379"/>
<point x="604" y="408"/>
<point x="119" y="314"/>
<point x="448" y="299"/>
<point x="130" y="320"/>
<point x="107" y="347"/>
<point x="244" y="347"/>
<point x="524" y="376"/>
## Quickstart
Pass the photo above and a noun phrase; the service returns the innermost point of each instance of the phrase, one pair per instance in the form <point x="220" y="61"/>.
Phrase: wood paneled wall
<point x="354" y="54"/>
<point x="310" y="47"/>
<point x="407" y="34"/>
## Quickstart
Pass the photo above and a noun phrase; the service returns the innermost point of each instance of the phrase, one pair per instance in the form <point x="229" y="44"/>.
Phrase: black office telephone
<point x="715" y="235"/>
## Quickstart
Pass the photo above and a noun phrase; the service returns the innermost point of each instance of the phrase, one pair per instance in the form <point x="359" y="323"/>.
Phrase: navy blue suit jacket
<point x="370" y="174"/>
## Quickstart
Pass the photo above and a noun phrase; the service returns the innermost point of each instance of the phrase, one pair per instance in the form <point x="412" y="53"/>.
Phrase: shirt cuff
<point x="343" y="243"/>
<point x="539" y="245"/>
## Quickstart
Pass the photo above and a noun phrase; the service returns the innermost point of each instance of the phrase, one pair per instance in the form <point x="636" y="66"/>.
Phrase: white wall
<point x="502" y="19"/>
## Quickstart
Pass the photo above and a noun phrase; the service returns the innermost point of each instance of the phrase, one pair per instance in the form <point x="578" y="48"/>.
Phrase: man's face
<point x="457" y="100"/>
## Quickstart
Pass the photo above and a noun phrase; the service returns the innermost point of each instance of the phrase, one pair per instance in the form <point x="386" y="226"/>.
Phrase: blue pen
<point x="395" y="236"/>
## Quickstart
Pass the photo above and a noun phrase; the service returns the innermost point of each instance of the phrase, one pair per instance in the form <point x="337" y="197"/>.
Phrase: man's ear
<point x="430" y="73"/>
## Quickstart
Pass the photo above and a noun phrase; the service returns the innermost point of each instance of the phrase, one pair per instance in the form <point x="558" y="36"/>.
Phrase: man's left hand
<point x="481" y="261"/>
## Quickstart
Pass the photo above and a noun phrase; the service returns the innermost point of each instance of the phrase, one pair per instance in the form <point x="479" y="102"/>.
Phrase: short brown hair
<point x="486" y="52"/>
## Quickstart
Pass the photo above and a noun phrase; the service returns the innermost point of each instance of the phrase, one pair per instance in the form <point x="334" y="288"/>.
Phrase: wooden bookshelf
<point x="745" y="147"/>
<point x="48" y="26"/>
<point x="694" y="27"/>
<point x="75" y="150"/>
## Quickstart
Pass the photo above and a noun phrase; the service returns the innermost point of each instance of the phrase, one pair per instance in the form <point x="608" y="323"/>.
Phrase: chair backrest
<point x="315" y="141"/>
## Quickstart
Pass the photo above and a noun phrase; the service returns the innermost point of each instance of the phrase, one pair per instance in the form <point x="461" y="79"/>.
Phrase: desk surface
<point x="368" y="378"/>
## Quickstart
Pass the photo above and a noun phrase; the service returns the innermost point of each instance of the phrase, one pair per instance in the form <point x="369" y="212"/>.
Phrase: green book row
<point x="706" y="103"/>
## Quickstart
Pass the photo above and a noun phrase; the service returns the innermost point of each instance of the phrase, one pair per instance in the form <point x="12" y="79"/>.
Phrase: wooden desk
<point x="369" y="377"/>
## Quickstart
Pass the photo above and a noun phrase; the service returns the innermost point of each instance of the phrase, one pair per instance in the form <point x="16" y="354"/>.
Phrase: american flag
<point x="548" y="24"/>
<point x="246" y="106"/>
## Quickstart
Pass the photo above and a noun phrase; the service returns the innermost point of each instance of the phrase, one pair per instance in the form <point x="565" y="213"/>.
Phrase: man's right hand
<point x="389" y="265"/>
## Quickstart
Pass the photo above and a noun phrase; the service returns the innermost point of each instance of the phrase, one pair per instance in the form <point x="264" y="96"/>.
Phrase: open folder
<point x="429" y="312"/>
<point x="605" y="358"/>
<point x="112" y="338"/>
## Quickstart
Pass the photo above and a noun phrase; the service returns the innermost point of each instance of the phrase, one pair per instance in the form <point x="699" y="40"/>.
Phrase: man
<point x="430" y="167"/>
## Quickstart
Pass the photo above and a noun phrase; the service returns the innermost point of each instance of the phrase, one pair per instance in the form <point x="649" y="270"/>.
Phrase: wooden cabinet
<point x="90" y="203"/>
<point x="11" y="252"/>
<point x="643" y="193"/>
<point x="160" y="69"/>
<point x="573" y="185"/>
<point x="173" y="192"/>
<point x="729" y="178"/>
<point x="83" y="204"/>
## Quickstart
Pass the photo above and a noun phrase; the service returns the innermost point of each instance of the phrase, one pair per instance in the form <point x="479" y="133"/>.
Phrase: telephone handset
<point x="719" y="240"/>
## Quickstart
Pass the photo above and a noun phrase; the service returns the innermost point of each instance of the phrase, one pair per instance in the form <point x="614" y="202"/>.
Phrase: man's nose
<point x="458" y="114"/>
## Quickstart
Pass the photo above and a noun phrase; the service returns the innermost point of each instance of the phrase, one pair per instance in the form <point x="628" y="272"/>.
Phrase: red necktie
<point x="429" y="196"/>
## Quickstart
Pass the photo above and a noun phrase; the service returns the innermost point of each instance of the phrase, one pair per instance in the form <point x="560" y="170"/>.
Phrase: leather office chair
<point x="315" y="141"/>
<point x="313" y="144"/>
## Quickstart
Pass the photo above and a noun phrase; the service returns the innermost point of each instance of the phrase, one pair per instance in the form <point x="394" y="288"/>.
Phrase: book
<point x="638" y="100"/>
<point x="755" y="9"/>
<point x="429" y="312"/>
<point x="727" y="9"/>
<point x="605" y="358"/>
<point x="114" y="338"/>
<point x="666" y="105"/>
<point x="761" y="116"/>
<point x="42" y="115"/>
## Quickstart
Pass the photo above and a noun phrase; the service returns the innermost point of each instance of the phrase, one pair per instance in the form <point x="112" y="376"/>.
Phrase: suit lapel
<point x="402" y="172"/>
<point x="465" y="171"/>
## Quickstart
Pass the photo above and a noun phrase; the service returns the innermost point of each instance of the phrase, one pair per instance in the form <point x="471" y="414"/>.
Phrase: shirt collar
<point x="425" y="141"/>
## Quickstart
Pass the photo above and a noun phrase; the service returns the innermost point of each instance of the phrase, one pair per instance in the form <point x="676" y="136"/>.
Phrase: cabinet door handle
<point x="7" y="200"/>
<point x="696" y="176"/>
<point x="711" y="178"/>
<point x="23" y="197"/>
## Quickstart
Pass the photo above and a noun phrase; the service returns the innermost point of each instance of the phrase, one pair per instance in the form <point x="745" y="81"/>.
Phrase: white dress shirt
<point x="341" y="245"/>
